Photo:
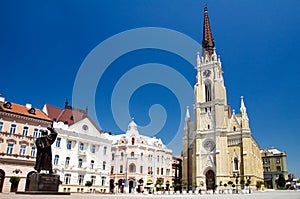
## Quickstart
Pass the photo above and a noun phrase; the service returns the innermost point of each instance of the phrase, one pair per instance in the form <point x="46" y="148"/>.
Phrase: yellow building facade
<point x="218" y="145"/>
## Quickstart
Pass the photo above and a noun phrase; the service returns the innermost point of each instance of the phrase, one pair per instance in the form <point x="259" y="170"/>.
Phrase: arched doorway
<point x="2" y="177"/>
<point x="131" y="183"/>
<point x="28" y="178"/>
<point x="210" y="180"/>
<point x="111" y="186"/>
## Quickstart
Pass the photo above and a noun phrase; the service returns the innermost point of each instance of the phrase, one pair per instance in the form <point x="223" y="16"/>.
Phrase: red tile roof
<point x="23" y="110"/>
<point x="68" y="115"/>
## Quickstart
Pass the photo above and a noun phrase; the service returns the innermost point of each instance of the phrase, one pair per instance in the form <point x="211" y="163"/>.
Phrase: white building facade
<point x="81" y="153"/>
<point x="139" y="162"/>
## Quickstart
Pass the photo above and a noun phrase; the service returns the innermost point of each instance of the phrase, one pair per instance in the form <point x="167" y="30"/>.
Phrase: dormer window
<point x="31" y="111"/>
<point x="7" y="105"/>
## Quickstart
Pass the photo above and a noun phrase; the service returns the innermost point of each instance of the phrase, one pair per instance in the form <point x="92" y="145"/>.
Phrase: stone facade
<point x="218" y="146"/>
<point x="19" y="126"/>
<point x="139" y="162"/>
<point x="275" y="164"/>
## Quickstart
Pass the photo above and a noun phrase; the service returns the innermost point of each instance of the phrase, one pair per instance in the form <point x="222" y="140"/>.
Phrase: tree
<point x="14" y="180"/>
<point x="88" y="183"/>
<point x="281" y="181"/>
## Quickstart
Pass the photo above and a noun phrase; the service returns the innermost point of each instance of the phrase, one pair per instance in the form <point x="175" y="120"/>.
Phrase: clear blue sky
<point x="43" y="44"/>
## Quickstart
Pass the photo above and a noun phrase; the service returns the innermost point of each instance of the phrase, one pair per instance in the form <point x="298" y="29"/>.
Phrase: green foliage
<point x="225" y="185"/>
<point x="88" y="183"/>
<point x="249" y="182"/>
<point x="230" y="182"/>
<point x="14" y="179"/>
<point x="195" y="185"/>
<point x="233" y="185"/>
<point x="184" y="184"/>
<point x="201" y="183"/>
<point x="242" y="181"/>
<point x="281" y="181"/>
<point x="298" y="181"/>
<point x="259" y="184"/>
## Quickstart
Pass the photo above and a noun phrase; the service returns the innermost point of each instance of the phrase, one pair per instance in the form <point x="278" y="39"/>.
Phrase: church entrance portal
<point x="210" y="180"/>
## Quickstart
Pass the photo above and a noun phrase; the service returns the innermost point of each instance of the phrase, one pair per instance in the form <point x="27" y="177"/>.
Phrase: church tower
<point x="218" y="146"/>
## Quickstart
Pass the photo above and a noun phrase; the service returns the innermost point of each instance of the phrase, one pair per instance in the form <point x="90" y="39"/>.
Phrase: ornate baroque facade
<point x="139" y="162"/>
<point x="218" y="146"/>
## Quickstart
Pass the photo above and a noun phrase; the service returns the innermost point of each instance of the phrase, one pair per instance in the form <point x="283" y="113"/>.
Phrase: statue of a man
<point x="44" y="152"/>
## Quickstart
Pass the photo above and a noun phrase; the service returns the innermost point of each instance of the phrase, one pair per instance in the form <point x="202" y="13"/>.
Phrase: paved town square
<point x="257" y="195"/>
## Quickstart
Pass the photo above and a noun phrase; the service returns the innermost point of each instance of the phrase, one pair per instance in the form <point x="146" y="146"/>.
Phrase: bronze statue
<point x="44" y="152"/>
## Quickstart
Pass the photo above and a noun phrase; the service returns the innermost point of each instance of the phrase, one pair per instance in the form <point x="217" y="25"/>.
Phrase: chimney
<point x="29" y="106"/>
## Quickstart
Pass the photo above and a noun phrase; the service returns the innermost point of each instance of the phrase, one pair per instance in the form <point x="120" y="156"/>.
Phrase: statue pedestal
<point x="41" y="182"/>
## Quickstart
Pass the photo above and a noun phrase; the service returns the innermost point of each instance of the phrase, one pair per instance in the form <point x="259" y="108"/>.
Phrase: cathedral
<point x="218" y="146"/>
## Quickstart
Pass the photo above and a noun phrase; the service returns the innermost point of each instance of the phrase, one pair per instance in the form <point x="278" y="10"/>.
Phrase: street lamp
<point x="236" y="176"/>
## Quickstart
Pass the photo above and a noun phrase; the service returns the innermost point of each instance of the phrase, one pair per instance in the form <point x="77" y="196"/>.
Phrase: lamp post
<point x="236" y="176"/>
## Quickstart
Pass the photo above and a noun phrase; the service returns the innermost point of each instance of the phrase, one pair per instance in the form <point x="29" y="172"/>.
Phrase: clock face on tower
<point x="206" y="73"/>
<point x="209" y="145"/>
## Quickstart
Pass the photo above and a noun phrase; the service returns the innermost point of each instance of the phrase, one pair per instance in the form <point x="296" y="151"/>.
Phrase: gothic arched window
<point x="236" y="164"/>
<point x="132" y="168"/>
<point x="208" y="92"/>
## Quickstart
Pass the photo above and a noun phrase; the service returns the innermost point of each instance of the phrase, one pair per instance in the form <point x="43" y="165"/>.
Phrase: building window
<point x="56" y="157"/>
<point x="104" y="165"/>
<point x="141" y="169"/>
<point x="112" y="170"/>
<point x="40" y="133"/>
<point x="32" y="151"/>
<point x="122" y="155"/>
<point x="79" y="163"/>
<point x="132" y="168"/>
<point x="168" y="172"/>
<point x="121" y="168"/>
<point x="67" y="178"/>
<point x="112" y="156"/>
<point x="25" y="131"/>
<point x="67" y="163"/>
<point x="93" y="148"/>
<point x="103" y="181"/>
<point x="104" y="150"/>
<point x="57" y="143"/>
<point x="158" y="158"/>
<point x="277" y="160"/>
<point x="35" y="133"/>
<point x="236" y="164"/>
<point x="142" y="155"/>
<point x="9" y="148"/>
<point x="207" y="92"/>
<point x="12" y="129"/>
<point x="132" y="154"/>
<point x="1" y="126"/>
<point x="162" y="171"/>
<point x="80" y="179"/>
<point x="22" y="149"/>
<point x="132" y="141"/>
<point x="92" y="164"/>
<point x="157" y="171"/>
<point x="278" y="168"/>
<point x="69" y="144"/>
<point x="234" y="128"/>
<point x="81" y="146"/>
<point x="93" y="179"/>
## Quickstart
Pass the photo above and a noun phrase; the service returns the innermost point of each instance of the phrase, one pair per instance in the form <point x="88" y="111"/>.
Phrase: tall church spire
<point x="207" y="40"/>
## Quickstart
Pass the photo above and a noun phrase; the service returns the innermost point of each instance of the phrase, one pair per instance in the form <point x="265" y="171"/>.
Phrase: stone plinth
<point x="44" y="182"/>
